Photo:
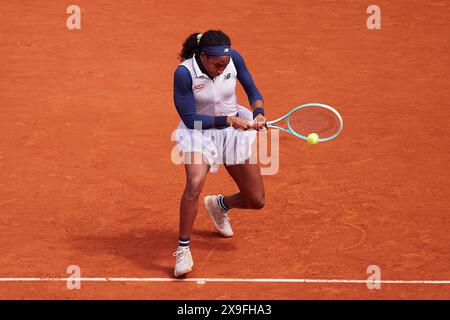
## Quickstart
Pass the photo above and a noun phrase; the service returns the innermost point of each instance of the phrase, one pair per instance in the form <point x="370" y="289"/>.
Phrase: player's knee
<point x="193" y="188"/>
<point x="260" y="203"/>
<point x="192" y="193"/>
<point x="256" y="202"/>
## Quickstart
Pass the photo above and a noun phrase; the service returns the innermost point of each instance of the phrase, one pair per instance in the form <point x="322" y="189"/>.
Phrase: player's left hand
<point x="259" y="122"/>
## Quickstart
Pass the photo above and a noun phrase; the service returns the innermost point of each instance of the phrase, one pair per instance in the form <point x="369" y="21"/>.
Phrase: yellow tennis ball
<point x="313" y="138"/>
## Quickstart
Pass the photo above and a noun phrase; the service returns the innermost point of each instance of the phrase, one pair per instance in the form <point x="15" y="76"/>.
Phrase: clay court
<point x="86" y="176"/>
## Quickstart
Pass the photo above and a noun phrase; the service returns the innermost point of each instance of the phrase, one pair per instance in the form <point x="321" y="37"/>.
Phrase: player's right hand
<point x="239" y="123"/>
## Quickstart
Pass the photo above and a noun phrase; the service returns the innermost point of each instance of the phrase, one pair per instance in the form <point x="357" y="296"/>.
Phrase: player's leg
<point x="246" y="175"/>
<point x="195" y="179"/>
<point x="251" y="188"/>
<point x="250" y="196"/>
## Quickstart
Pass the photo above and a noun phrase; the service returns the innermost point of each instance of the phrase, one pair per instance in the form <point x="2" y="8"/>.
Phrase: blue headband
<point x="217" y="50"/>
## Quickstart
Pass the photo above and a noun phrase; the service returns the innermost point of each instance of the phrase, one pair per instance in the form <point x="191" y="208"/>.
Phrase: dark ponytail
<point x="209" y="38"/>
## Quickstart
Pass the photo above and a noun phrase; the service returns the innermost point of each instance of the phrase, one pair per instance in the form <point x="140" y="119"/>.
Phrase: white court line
<point x="260" y="280"/>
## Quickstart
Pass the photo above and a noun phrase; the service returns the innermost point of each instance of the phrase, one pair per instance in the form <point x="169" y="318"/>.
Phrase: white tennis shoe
<point x="184" y="262"/>
<point x="218" y="216"/>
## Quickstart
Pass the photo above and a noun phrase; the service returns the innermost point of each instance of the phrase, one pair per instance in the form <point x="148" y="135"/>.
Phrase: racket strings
<point x="314" y="119"/>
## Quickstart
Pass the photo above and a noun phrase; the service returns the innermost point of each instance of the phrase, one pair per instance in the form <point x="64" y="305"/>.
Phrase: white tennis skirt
<point x="218" y="146"/>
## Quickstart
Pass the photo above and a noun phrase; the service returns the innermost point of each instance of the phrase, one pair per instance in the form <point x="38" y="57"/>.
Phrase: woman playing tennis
<point x="214" y="129"/>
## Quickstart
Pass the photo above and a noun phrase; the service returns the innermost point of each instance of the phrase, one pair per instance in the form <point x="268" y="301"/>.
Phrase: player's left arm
<point x="245" y="78"/>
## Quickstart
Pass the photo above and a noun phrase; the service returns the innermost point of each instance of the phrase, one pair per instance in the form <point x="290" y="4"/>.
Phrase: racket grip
<point x="253" y="123"/>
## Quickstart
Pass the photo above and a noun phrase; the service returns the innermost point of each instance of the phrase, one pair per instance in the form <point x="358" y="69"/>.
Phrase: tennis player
<point x="214" y="130"/>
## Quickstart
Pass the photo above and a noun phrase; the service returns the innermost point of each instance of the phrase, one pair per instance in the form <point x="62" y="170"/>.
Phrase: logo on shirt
<point x="228" y="76"/>
<point x="199" y="87"/>
<point x="226" y="50"/>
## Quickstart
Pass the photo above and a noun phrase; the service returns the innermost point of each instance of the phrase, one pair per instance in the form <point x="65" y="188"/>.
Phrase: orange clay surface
<point x="86" y="176"/>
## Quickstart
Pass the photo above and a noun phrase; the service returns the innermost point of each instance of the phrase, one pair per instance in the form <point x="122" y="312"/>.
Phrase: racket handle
<point x="252" y="123"/>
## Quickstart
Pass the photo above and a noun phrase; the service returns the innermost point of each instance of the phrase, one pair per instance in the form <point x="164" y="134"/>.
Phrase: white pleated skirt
<point x="218" y="146"/>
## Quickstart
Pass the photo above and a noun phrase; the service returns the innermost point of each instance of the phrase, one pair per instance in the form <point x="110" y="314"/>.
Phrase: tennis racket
<point x="310" y="118"/>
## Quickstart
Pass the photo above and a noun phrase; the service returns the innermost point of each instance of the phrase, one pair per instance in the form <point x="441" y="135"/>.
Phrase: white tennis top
<point x="215" y="97"/>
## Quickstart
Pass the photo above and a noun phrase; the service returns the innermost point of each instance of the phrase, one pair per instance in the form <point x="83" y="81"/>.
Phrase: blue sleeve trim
<point x="257" y="111"/>
<point x="245" y="78"/>
<point x="220" y="122"/>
